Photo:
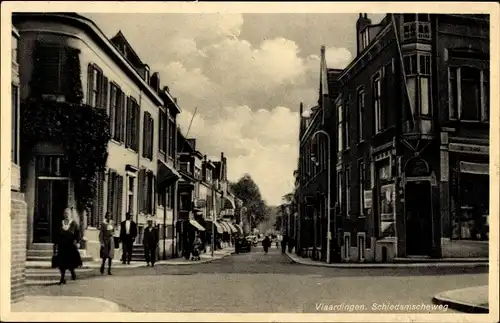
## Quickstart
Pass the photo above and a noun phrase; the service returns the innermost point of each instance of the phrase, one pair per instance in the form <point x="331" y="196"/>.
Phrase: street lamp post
<point x="313" y="158"/>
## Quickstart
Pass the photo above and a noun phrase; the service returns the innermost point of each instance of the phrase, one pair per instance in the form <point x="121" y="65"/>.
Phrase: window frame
<point x="131" y="178"/>
<point x="377" y="101"/>
<point x="339" y="189"/>
<point x="340" y="128"/>
<point x="456" y="103"/>
<point x="347" y="182"/>
<point x="416" y="72"/>
<point x="360" y="101"/>
<point x="362" y="183"/>
<point x="345" y="119"/>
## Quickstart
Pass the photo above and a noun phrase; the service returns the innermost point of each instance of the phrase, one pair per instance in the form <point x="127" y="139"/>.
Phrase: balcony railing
<point x="417" y="30"/>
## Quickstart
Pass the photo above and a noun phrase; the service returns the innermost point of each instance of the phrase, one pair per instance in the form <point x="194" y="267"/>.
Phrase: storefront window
<point x="472" y="215"/>
<point x="387" y="207"/>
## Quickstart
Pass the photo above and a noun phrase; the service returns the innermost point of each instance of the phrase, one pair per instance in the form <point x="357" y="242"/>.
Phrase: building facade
<point x="112" y="79"/>
<point x="412" y="140"/>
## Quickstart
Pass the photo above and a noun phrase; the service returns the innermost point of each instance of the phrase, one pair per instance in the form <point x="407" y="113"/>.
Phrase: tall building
<point x="413" y="139"/>
<point x="70" y="70"/>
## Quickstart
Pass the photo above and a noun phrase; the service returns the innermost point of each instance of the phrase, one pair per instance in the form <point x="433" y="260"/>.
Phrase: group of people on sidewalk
<point x="66" y="255"/>
<point x="267" y="242"/>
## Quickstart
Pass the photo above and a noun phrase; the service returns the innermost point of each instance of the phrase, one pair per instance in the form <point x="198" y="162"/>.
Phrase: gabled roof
<point x="131" y="54"/>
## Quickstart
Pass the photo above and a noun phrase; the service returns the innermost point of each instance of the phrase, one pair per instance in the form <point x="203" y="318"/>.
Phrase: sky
<point x="245" y="75"/>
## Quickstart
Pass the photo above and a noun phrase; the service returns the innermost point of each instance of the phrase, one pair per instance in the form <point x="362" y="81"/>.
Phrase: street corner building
<point x="408" y="160"/>
<point x="94" y="130"/>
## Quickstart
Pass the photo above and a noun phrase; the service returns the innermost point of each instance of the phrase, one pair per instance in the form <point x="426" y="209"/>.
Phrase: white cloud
<point x="246" y="89"/>
<point x="261" y="143"/>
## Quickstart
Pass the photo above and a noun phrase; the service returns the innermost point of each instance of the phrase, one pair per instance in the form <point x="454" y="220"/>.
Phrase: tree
<point x="248" y="192"/>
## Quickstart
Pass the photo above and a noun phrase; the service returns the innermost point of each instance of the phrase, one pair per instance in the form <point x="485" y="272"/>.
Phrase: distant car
<point x="243" y="245"/>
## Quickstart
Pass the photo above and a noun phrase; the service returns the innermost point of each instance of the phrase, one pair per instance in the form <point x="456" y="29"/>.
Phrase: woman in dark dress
<point x="107" y="240"/>
<point x="68" y="256"/>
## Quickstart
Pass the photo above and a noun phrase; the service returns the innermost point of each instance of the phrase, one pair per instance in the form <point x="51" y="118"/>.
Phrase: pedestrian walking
<point x="128" y="233"/>
<point x="283" y="244"/>
<point x="106" y="238"/>
<point x="150" y="243"/>
<point x="67" y="256"/>
<point x="266" y="243"/>
<point x="196" y="247"/>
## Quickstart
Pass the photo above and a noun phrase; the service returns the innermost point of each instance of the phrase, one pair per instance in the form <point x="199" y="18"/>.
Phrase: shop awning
<point x="217" y="226"/>
<point x="225" y="227"/>
<point x="239" y="228"/>
<point x="198" y="226"/>
<point x="167" y="175"/>
<point x="474" y="168"/>
<point x="231" y="226"/>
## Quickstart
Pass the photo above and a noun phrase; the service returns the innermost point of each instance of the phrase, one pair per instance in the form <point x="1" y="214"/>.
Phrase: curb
<point x="199" y="262"/>
<point x="459" y="306"/>
<point x="394" y="265"/>
<point x="110" y="306"/>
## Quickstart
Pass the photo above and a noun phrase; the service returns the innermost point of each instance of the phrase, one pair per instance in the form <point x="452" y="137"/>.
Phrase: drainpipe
<point x="139" y="158"/>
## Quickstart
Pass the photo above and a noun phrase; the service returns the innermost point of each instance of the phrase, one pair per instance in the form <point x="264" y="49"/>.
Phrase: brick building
<point x="18" y="212"/>
<point x="412" y="141"/>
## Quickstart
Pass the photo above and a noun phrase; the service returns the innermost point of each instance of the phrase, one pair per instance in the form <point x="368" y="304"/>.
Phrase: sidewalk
<point x="441" y="264"/>
<point x="64" y="304"/>
<point x="204" y="258"/>
<point x="470" y="300"/>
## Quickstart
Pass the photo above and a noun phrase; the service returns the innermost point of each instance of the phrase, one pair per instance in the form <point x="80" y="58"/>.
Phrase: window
<point x="117" y="113"/>
<point x="361" y="111"/>
<point x="197" y="172"/>
<point x="339" y="189"/>
<point x="163" y="132"/>
<point x="348" y="190"/>
<point x="132" y="124"/>
<point x="340" y="128"/>
<point x="347" y="245"/>
<point x="418" y="72"/>
<point x="416" y="27"/>
<point x="97" y="211"/>
<point x="469" y="93"/>
<point x="185" y="202"/>
<point x="148" y="136"/>
<point x="130" y="193"/>
<point x="361" y="245"/>
<point x="15" y="52"/>
<point x="377" y="103"/>
<point x="147" y="191"/>
<point x="361" y="169"/>
<point x="208" y="176"/>
<point x="115" y="196"/>
<point x="15" y="125"/>
<point x="365" y="39"/>
<point x="346" y="118"/>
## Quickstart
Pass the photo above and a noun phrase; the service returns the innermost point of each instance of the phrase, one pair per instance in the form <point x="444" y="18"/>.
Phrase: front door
<point x="50" y="201"/>
<point x="418" y="209"/>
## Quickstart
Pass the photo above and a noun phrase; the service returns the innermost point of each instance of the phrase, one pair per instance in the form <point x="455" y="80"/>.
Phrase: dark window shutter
<point x="141" y="190"/>
<point x="137" y="125"/>
<point x="128" y="120"/>
<point x="122" y="121"/>
<point x="117" y="114"/>
<point x="105" y="84"/>
<point x="99" y="103"/>
<point x="119" y="198"/>
<point x="112" y="109"/>
<point x="100" y="199"/>
<point x="144" y="134"/>
<point x="151" y="138"/>
<point x="50" y="60"/>
<point x="109" y="206"/>
<point x="90" y="81"/>
<point x="155" y="185"/>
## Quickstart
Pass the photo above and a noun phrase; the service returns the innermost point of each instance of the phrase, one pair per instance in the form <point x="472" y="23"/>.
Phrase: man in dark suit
<point x="128" y="233"/>
<point x="150" y="243"/>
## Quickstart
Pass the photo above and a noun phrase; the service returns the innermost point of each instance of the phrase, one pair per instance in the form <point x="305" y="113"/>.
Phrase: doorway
<point x="51" y="198"/>
<point x="418" y="210"/>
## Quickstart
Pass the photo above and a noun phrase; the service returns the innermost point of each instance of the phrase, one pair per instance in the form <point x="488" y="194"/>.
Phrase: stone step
<point x="42" y="246"/>
<point x="49" y="258"/>
<point x="53" y="274"/>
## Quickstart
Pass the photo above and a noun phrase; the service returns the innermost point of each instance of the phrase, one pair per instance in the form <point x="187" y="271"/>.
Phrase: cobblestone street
<point x="255" y="282"/>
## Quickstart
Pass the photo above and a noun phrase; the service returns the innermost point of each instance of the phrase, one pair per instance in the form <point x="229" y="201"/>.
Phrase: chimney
<point x="155" y="82"/>
<point x="192" y="143"/>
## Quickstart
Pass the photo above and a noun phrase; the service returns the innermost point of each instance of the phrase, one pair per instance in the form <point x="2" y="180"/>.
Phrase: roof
<point x="136" y="60"/>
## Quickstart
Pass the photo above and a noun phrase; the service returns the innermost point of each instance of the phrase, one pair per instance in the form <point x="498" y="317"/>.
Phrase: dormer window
<point x="416" y="27"/>
<point x="365" y="38"/>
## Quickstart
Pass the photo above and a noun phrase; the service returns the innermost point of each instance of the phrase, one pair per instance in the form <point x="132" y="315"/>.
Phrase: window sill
<point x="116" y="142"/>
<point x="360" y="142"/>
<point x="131" y="150"/>
<point x="362" y="217"/>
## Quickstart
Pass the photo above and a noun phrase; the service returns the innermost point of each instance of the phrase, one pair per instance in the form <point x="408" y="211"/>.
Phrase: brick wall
<point x="18" y="246"/>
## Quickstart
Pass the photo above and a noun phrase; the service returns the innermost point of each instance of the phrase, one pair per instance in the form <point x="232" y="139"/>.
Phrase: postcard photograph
<point x="228" y="160"/>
